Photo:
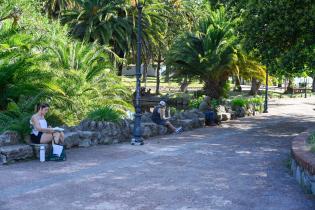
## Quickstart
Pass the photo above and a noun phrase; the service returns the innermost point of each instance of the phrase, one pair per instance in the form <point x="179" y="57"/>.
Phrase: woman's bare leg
<point x="170" y="126"/>
<point x="46" y="138"/>
<point x="56" y="137"/>
<point x="62" y="137"/>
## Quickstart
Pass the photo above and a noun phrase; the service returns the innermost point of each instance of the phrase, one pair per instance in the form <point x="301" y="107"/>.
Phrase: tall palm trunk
<point x="184" y="84"/>
<point x="289" y="89"/>
<point x="313" y="84"/>
<point x="157" y="90"/>
<point x="145" y="73"/>
<point x="167" y="74"/>
<point x="237" y="87"/>
<point x="121" y="54"/>
<point x="214" y="88"/>
<point x="255" y="86"/>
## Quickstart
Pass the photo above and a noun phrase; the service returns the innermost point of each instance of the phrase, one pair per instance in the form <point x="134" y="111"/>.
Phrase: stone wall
<point x="303" y="162"/>
<point x="89" y="133"/>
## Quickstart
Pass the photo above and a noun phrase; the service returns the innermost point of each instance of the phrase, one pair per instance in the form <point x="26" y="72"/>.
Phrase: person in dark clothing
<point x="205" y="107"/>
<point x="158" y="117"/>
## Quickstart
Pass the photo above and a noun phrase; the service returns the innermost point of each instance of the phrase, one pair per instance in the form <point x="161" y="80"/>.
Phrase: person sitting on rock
<point x="158" y="117"/>
<point x="41" y="132"/>
<point x="205" y="107"/>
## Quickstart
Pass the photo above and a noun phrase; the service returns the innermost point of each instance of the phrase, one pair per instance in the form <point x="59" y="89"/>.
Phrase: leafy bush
<point x="214" y="103"/>
<point x="194" y="103"/>
<point x="257" y="101"/>
<point x="15" y="118"/>
<point x="226" y="89"/>
<point x="241" y="102"/>
<point x="106" y="113"/>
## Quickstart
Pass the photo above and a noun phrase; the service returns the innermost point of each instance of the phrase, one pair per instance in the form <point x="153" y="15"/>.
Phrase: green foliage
<point x="106" y="113"/>
<point x="226" y="89"/>
<point x="256" y="100"/>
<point x="241" y="102"/>
<point x="214" y="103"/>
<point x="281" y="33"/>
<point x="15" y="118"/>
<point x="194" y="103"/>
<point x="207" y="53"/>
<point x="39" y="62"/>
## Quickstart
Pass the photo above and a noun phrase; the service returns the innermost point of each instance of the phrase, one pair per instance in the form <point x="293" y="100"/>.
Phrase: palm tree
<point x="54" y="7"/>
<point x="22" y="72"/>
<point x="207" y="53"/>
<point x="86" y="79"/>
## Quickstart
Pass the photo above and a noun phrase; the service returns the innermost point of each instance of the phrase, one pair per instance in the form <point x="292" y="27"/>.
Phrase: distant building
<point x="130" y="70"/>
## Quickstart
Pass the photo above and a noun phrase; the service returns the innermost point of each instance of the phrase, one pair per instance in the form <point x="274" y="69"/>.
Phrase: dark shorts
<point x="160" y="122"/>
<point x="36" y="139"/>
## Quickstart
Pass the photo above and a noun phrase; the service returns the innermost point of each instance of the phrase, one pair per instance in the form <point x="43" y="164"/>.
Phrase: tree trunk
<point x="213" y="88"/>
<point x="121" y="54"/>
<point x="313" y="84"/>
<point x="157" y="90"/>
<point x="290" y="87"/>
<point x="184" y="85"/>
<point x="255" y="86"/>
<point x="237" y="87"/>
<point x="145" y="74"/>
<point x="167" y="74"/>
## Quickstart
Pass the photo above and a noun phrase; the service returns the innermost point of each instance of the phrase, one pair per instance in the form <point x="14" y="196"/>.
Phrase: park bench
<point x="301" y="90"/>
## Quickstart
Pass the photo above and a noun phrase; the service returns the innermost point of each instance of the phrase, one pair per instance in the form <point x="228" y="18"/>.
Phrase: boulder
<point x="36" y="149"/>
<point x="72" y="139"/>
<point x="85" y="143"/>
<point x="15" y="152"/>
<point x="9" y="138"/>
<point x="240" y="111"/>
<point x="221" y="109"/>
<point x="162" y="130"/>
<point x="186" y="124"/>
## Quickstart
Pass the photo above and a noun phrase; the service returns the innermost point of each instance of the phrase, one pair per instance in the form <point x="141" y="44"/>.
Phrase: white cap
<point x="162" y="103"/>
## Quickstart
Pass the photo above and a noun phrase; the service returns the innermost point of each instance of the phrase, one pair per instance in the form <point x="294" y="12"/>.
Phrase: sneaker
<point x="178" y="130"/>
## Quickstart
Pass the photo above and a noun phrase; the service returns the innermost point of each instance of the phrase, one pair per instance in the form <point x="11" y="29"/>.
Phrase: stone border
<point x="303" y="162"/>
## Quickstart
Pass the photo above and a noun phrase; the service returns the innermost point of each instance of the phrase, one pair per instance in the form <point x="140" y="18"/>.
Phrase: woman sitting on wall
<point x="41" y="132"/>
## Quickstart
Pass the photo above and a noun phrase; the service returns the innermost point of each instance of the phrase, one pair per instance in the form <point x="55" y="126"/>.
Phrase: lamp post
<point x="137" y="133"/>
<point x="266" y="94"/>
<point x="305" y="96"/>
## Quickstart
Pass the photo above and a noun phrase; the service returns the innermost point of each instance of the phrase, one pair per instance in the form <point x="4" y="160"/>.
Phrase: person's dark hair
<point x="41" y="106"/>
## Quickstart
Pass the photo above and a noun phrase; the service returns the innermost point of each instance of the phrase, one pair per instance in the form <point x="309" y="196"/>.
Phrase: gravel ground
<point x="241" y="165"/>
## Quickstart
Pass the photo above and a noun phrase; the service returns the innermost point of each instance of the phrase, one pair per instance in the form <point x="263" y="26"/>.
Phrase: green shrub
<point x="214" y="103"/>
<point x="226" y="89"/>
<point x="241" y="102"/>
<point x="15" y="118"/>
<point x="194" y="103"/>
<point x="256" y="100"/>
<point x="106" y="113"/>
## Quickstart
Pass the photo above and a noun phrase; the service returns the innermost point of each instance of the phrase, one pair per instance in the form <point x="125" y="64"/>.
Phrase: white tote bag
<point x="57" y="149"/>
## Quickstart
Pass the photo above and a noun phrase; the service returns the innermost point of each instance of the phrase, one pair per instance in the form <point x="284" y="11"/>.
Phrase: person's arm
<point x="36" y="124"/>
<point x="162" y="113"/>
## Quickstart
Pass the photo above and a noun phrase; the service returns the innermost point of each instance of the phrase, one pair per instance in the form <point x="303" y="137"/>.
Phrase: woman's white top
<point x="42" y="123"/>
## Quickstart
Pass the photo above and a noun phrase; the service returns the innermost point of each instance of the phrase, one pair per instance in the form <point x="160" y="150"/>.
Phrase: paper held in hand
<point x="58" y="129"/>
